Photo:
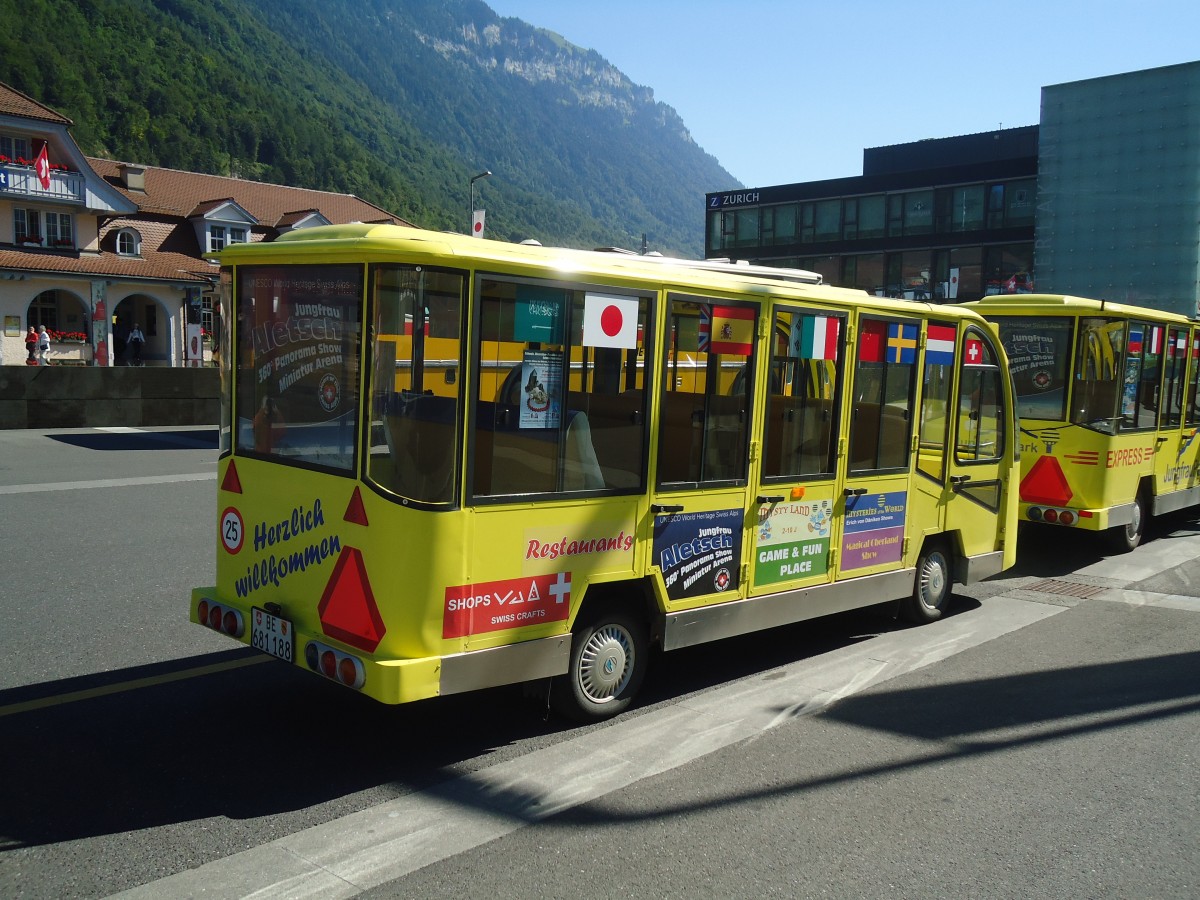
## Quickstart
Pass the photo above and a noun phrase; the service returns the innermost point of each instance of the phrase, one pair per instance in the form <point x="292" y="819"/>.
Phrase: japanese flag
<point x="609" y="321"/>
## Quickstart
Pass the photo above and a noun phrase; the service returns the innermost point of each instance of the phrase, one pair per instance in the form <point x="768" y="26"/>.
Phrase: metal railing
<point x="22" y="181"/>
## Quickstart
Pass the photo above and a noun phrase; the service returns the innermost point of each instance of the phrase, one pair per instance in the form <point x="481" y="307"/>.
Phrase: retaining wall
<point x="87" y="396"/>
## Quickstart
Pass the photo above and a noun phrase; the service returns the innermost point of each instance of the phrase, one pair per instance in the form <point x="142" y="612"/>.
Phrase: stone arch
<point x="62" y="312"/>
<point x="155" y="321"/>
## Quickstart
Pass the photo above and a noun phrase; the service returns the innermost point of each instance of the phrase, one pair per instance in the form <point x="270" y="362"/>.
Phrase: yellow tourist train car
<point x="1106" y="395"/>
<point x="450" y="463"/>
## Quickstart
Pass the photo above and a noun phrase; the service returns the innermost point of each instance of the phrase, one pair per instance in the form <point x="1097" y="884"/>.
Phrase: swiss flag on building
<point x="41" y="165"/>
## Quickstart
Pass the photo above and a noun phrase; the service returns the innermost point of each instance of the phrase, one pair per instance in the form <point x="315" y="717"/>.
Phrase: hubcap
<point x="606" y="663"/>
<point x="933" y="583"/>
<point x="1134" y="528"/>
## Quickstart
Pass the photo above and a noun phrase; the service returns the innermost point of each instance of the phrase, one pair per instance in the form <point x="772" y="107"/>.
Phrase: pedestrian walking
<point x="31" y="346"/>
<point x="136" y="339"/>
<point x="43" y="345"/>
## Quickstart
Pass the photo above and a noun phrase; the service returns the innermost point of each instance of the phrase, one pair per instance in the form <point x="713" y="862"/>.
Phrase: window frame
<point x="572" y="339"/>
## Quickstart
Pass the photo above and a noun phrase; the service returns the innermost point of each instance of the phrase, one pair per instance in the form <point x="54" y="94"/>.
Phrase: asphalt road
<point x="1039" y="742"/>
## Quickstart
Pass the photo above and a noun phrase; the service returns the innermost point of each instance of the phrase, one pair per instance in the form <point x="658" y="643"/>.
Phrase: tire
<point x="609" y="653"/>
<point x="931" y="588"/>
<point x="1124" y="538"/>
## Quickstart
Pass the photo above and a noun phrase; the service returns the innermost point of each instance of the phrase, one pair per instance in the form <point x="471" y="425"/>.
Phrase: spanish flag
<point x="730" y="330"/>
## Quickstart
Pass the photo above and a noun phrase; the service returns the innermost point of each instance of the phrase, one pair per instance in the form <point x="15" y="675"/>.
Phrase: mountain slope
<point x="396" y="101"/>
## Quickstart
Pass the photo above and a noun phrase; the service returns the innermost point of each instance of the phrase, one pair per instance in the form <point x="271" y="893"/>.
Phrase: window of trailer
<point x="1174" y="385"/>
<point x="298" y="363"/>
<point x="803" y="393"/>
<point x="1140" y="387"/>
<point x="416" y="383"/>
<point x="933" y="428"/>
<point x="707" y="379"/>
<point x="980" y="436"/>
<point x="1039" y="359"/>
<point x="560" y="398"/>
<point x="1097" y="377"/>
<point x="884" y="382"/>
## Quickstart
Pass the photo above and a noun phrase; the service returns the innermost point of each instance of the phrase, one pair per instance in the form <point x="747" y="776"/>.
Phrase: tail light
<point x="220" y="618"/>
<point x="334" y="664"/>
<point x="1056" y="516"/>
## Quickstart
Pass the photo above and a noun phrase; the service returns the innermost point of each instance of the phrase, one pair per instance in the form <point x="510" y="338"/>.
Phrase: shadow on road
<point x="159" y="439"/>
<point x="268" y="740"/>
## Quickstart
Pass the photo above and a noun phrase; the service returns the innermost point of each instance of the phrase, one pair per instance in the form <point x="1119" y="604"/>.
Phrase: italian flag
<point x="818" y="338"/>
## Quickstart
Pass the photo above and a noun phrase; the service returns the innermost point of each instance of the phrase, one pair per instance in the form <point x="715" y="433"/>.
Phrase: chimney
<point x="133" y="177"/>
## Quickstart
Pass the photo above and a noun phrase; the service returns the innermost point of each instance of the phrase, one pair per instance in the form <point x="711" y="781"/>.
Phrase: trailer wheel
<point x="609" y="653"/>
<point x="931" y="590"/>
<point x="1124" y="538"/>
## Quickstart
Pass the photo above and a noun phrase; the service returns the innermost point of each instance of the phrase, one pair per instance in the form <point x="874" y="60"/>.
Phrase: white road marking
<point x="104" y="483"/>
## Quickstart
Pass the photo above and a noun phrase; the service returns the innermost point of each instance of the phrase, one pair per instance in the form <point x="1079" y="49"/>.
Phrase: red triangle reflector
<point x="1046" y="483"/>
<point x="347" y="609"/>
<point x="231" y="482"/>
<point x="354" y="509"/>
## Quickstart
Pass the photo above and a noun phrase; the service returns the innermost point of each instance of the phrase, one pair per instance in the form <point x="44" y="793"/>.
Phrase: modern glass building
<point x="1102" y="199"/>
<point x="1119" y="188"/>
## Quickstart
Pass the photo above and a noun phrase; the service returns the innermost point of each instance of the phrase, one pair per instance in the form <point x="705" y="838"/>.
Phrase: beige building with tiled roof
<point x="88" y="246"/>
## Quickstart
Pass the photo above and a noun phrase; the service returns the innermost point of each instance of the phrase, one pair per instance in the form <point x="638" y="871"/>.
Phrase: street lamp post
<point x="471" y="211"/>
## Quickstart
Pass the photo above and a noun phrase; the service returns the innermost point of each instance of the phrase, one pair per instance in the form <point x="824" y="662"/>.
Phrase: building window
<point x="871" y="216"/>
<point x="44" y="310"/>
<point x="747" y="227"/>
<point x="1018" y="210"/>
<point x="1009" y="269"/>
<point x="27" y="226"/>
<point x="728" y="229"/>
<point x="206" y="312"/>
<point x="237" y="235"/>
<point x="918" y="212"/>
<point x="865" y="272"/>
<point x="59" y="230"/>
<point x="216" y="238"/>
<point x="714" y="230"/>
<point x="828" y="267"/>
<point x="964" y="209"/>
<point x="14" y="147"/>
<point x="995" y="209"/>
<point x="807" y="223"/>
<point x="828" y="220"/>
<point x="779" y="224"/>
<point x="128" y="242"/>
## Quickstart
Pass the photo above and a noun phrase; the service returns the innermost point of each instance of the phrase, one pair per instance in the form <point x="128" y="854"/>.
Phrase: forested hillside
<point x="396" y="101"/>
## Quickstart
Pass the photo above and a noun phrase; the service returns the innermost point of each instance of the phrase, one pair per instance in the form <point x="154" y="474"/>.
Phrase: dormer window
<point x="14" y="147"/>
<point x="219" y="223"/>
<point x="221" y="235"/>
<point x="129" y="242"/>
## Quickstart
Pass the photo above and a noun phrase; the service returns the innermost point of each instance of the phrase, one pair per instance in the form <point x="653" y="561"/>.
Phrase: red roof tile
<point x="14" y="103"/>
<point x="178" y="193"/>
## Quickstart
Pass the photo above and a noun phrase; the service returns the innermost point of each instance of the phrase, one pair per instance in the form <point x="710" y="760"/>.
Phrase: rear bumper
<point x="397" y="681"/>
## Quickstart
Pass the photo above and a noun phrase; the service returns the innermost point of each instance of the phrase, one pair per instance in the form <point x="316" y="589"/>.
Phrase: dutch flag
<point x="939" y="345"/>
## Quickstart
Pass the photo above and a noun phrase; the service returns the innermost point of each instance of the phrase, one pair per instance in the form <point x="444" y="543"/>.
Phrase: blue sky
<point x="783" y="91"/>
